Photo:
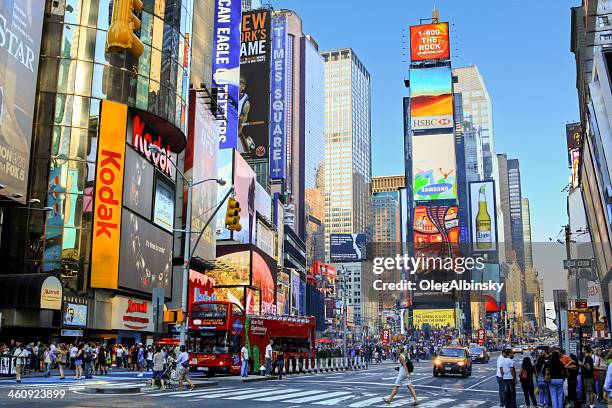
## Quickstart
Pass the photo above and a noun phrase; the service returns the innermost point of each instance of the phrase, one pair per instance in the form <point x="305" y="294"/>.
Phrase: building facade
<point x="348" y="166"/>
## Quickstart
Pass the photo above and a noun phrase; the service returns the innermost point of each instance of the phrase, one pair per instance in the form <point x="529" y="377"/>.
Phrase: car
<point x="479" y="354"/>
<point x="517" y="349"/>
<point x="453" y="360"/>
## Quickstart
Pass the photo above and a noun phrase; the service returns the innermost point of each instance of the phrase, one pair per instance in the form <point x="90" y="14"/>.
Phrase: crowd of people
<point x="558" y="378"/>
<point x="87" y="359"/>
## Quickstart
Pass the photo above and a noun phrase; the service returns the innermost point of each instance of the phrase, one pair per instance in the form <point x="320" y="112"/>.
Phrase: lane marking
<point x="261" y="394"/>
<point x="318" y="397"/>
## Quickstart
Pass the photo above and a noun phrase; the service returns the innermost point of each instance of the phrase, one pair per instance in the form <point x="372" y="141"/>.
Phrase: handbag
<point x="547" y="374"/>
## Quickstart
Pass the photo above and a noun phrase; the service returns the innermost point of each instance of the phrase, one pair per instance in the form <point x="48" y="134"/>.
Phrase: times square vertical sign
<point x="278" y="97"/>
<point x="226" y="68"/>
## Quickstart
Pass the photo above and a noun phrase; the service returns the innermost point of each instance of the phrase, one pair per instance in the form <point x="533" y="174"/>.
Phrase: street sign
<point x="71" y="333"/>
<point x="577" y="263"/>
<point x="573" y="347"/>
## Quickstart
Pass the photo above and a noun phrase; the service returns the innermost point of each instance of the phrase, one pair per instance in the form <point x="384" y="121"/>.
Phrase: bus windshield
<point x="208" y="342"/>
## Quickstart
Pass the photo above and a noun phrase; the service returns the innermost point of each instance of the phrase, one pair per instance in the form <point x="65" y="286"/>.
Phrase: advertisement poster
<point x="264" y="272"/>
<point x="429" y="41"/>
<point x="434" y="169"/>
<point x="137" y="183"/>
<point x="347" y="247"/>
<point x="232" y="269"/>
<point x="435" y="228"/>
<point x="225" y="160"/>
<point x="431" y="98"/>
<point x="132" y="314"/>
<point x="145" y="255"/>
<point x="201" y="288"/>
<point x="163" y="213"/>
<point x="244" y="184"/>
<point x="226" y="68"/>
<point x="253" y="301"/>
<point x="278" y="135"/>
<point x="295" y="291"/>
<point x="573" y="133"/>
<point x="282" y="296"/>
<point x="201" y="164"/>
<point x="75" y="315"/>
<point x="575" y="160"/>
<point x="21" y="24"/>
<point x="483" y="219"/>
<point x="302" y="308"/>
<point x="233" y="295"/>
<point x="437" y="318"/>
<point x="254" y="98"/>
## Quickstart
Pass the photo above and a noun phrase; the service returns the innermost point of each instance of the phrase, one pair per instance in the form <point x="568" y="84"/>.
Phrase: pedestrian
<point x="571" y="374"/>
<point x="78" y="362"/>
<point x="608" y="381"/>
<point x="544" y="393"/>
<point x="500" y="379"/>
<point x="20" y="356"/>
<point x="73" y="353"/>
<point x="48" y="359"/>
<point x="509" y="377"/>
<point x="119" y="356"/>
<point x="134" y="358"/>
<point x="526" y="377"/>
<point x="555" y="374"/>
<point x="183" y="367"/>
<point x="60" y="359"/>
<point x="600" y="373"/>
<point x="269" y="357"/>
<point x="141" y="359"/>
<point x="588" y="370"/>
<point x="158" y="367"/>
<point x="244" y="359"/>
<point x="102" y="360"/>
<point x="403" y="377"/>
<point x="88" y="359"/>
<point x="280" y="361"/>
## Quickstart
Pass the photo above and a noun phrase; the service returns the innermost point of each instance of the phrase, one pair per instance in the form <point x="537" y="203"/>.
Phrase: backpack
<point x="409" y="365"/>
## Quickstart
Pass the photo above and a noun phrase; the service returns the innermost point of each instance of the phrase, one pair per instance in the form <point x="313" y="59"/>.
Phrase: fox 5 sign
<point x="386" y="335"/>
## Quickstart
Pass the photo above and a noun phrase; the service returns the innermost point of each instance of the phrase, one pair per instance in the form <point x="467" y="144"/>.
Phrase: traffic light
<point x="173" y="316"/>
<point x="121" y="34"/>
<point x="232" y="216"/>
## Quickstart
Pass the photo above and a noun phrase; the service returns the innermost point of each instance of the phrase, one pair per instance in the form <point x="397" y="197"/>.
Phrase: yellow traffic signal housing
<point x="232" y="215"/>
<point x="174" y="316"/>
<point x="121" y="34"/>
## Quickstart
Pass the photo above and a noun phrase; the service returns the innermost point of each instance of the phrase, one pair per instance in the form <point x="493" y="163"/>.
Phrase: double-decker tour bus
<point x="219" y="329"/>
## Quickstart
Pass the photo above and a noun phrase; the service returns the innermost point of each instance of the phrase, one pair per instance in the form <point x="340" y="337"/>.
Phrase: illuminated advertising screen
<point x="434" y="225"/>
<point x="483" y="219"/>
<point x="429" y="41"/>
<point x="163" y="213"/>
<point x="278" y="111"/>
<point x="347" y="247"/>
<point x="75" y="314"/>
<point x="225" y="171"/>
<point x="254" y="98"/>
<point x="575" y="162"/>
<point x="431" y="99"/>
<point x="264" y="273"/>
<point x="573" y="133"/>
<point x="436" y="318"/>
<point x="21" y="24"/>
<point x="245" y="187"/>
<point x="137" y="183"/>
<point x="232" y="269"/>
<point x="434" y="169"/>
<point x="145" y="256"/>
<point x="234" y="295"/>
<point x="295" y="291"/>
<point x="201" y="288"/>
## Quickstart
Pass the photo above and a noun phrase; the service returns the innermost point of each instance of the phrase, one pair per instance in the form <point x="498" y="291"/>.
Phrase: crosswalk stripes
<point x="226" y="394"/>
<point x="292" y="395"/>
<point x="262" y="394"/>
<point x="319" y="397"/>
<point x="189" y="394"/>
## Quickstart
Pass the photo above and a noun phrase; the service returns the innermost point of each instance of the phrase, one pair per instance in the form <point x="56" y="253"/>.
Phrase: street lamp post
<point x="187" y="247"/>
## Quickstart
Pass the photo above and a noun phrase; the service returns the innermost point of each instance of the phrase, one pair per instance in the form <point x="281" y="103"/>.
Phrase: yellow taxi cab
<point x="453" y="360"/>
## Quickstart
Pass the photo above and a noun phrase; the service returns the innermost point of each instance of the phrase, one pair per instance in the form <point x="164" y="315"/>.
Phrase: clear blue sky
<point x="521" y="48"/>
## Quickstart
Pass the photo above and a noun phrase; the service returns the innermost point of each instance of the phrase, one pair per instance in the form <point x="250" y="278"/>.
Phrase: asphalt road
<point x="352" y="389"/>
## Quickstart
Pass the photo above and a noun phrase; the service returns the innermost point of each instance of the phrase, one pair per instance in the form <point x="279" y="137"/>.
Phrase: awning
<point x="30" y="291"/>
<point x="491" y="304"/>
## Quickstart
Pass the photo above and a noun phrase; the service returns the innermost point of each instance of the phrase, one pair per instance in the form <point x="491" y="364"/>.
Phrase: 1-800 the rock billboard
<point x="20" y="34"/>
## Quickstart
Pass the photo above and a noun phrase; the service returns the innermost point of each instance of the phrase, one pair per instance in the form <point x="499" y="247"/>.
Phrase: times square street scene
<point x="290" y="203"/>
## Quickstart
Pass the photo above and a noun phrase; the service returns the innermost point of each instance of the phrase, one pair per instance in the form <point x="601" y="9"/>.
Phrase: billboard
<point x="295" y="292"/>
<point x="137" y="183"/>
<point x="226" y="69"/>
<point x="573" y="134"/>
<point x="575" y="163"/>
<point x="145" y="255"/>
<point x="201" y="164"/>
<point x="75" y="315"/>
<point x="263" y="277"/>
<point x="108" y="195"/>
<point x="437" y="318"/>
<point x="232" y="269"/>
<point x="435" y="229"/>
<point x="483" y="218"/>
<point x="225" y="171"/>
<point x="431" y="98"/>
<point x="254" y="98"/>
<point x="429" y="41"/>
<point x="347" y="247"/>
<point x="201" y="288"/>
<point x="278" y="136"/>
<point x="244" y="184"/>
<point x="21" y="24"/>
<point x="434" y="169"/>
<point x="163" y="209"/>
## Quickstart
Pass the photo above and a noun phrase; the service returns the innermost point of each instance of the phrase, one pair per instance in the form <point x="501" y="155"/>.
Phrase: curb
<point x="257" y="379"/>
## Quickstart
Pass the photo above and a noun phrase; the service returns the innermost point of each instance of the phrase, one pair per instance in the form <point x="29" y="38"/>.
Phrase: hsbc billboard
<point x="431" y="98"/>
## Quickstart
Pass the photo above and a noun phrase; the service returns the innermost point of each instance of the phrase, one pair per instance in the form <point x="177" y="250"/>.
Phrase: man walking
<point x="500" y="379"/>
<point x="587" y="370"/>
<point x="20" y="356"/>
<point x="269" y="357"/>
<point x="244" y="357"/>
<point x="182" y="363"/>
<point x="509" y="377"/>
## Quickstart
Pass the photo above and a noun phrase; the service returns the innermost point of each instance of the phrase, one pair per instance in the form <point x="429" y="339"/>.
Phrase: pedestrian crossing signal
<point x="232" y="215"/>
<point x="121" y="33"/>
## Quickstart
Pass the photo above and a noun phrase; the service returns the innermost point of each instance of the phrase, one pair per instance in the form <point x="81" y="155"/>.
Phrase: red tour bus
<point x="218" y="329"/>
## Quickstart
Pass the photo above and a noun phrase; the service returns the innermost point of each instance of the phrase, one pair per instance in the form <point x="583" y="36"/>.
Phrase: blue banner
<point x="226" y="68"/>
<point x="278" y="97"/>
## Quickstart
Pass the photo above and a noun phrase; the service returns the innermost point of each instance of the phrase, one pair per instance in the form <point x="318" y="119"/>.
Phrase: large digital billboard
<point x="435" y="227"/>
<point x="431" y="98"/>
<point x="244" y="185"/>
<point x="21" y="24"/>
<point x="137" y="183"/>
<point x="573" y="134"/>
<point x="436" y="318"/>
<point x="254" y="98"/>
<point x="483" y="219"/>
<point x="145" y="255"/>
<point x="347" y="247"/>
<point x="226" y="68"/>
<point x="263" y="277"/>
<point x="278" y="79"/>
<point x="434" y="168"/>
<point x="429" y="41"/>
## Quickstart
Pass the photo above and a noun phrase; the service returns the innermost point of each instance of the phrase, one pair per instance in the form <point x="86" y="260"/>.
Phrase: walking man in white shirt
<point x="269" y="358"/>
<point x="500" y="379"/>
<point x="509" y="376"/>
<point x="244" y="357"/>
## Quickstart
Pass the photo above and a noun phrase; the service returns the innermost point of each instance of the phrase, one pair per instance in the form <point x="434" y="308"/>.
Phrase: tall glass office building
<point x="348" y="166"/>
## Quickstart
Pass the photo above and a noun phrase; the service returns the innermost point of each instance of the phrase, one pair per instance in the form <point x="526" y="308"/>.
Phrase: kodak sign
<point x="108" y="195"/>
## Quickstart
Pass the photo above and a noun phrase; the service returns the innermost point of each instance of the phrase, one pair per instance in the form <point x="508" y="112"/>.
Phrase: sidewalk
<point x="113" y="374"/>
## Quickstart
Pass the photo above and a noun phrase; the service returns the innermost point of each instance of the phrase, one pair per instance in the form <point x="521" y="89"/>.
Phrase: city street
<point x="342" y="389"/>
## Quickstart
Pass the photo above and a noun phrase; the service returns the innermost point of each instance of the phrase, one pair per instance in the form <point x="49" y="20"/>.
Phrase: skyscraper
<point x="516" y="209"/>
<point x="526" y="218"/>
<point x="348" y="166"/>
<point x="478" y="110"/>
